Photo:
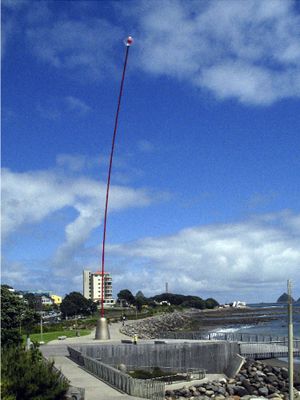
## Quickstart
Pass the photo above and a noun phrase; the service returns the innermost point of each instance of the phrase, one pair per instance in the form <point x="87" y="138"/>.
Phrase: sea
<point x="277" y="327"/>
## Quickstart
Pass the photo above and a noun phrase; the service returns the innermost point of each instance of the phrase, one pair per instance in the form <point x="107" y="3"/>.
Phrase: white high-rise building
<point x="92" y="286"/>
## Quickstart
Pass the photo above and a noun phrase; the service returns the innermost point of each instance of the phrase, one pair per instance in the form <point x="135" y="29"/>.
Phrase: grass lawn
<point x="48" y="336"/>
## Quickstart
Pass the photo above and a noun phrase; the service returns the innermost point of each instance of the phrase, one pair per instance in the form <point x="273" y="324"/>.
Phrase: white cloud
<point x="78" y="162"/>
<point x="75" y="104"/>
<point x="56" y="108"/>
<point x="76" y="45"/>
<point x="245" y="50"/>
<point x="28" y="198"/>
<point x="224" y="260"/>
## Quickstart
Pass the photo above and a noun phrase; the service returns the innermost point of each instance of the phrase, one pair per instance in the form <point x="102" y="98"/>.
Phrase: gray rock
<point x="209" y="392"/>
<point x="260" y="374"/>
<point x="240" y="391"/>
<point x="272" y="389"/>
<point x="274" y="396"/>
<point x="250" y="389"/>
<point x="284" y="373"/>
<point x="230" y="389"/>
<point x="263" y="391"/>
<point x="221" y="390"/>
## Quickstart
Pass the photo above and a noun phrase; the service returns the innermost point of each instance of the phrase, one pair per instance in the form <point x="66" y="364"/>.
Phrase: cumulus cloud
<point x="84" y="46"/>
<point x="224" y="260"/>
<point x="30" y="197"/>
<point x="244" y="50"/>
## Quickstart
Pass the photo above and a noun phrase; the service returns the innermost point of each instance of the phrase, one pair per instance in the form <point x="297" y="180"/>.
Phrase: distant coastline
<point x="205" y="321"/>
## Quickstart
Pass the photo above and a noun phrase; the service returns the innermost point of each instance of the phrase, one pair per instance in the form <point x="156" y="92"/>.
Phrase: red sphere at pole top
<point x="129" y="41"/>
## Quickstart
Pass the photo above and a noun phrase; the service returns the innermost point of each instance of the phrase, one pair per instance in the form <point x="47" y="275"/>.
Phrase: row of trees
<point x="174" y="299"/>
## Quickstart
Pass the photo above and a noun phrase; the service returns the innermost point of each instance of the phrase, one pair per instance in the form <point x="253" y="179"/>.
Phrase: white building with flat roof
<point x="92" y="287"/>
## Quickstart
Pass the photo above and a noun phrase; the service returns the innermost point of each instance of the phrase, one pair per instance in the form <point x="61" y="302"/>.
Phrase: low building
<point x="46" y="301"/>
<point x="92" y="287"/>
<point x="56" y="299"/>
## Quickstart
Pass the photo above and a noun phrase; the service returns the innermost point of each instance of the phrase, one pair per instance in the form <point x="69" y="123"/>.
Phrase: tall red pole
<point x="128" y="43"/>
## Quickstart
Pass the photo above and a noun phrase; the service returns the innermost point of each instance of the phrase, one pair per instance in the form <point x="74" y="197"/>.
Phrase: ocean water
<point x="277" y="327"/>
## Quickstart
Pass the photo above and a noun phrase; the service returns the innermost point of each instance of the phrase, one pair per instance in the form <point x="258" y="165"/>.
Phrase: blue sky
<point x="205" y="182"/>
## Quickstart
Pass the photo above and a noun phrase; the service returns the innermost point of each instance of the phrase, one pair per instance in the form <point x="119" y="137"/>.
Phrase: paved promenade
<point x="95" y="389"/>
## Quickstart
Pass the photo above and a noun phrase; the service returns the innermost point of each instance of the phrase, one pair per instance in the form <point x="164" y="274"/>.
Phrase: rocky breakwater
<point x="255" y="380"/>
<point x="150" y="328"/>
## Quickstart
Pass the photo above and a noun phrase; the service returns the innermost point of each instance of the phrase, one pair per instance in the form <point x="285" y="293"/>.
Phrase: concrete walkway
<point x="95" y="389"/>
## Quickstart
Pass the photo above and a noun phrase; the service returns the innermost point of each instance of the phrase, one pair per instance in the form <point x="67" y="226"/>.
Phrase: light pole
<point x="41" y="330"/>
<point x="102" y="331"/>
<point x="291" y="341"/>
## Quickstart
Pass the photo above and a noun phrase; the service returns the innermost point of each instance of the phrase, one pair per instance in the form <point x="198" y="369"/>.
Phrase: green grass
<point x="48" y="336"/>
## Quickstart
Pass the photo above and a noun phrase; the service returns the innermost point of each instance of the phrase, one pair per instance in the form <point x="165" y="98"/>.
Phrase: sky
<point x="205" y="181"/>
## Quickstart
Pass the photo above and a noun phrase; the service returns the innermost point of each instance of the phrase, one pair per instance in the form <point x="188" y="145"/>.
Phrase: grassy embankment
<point x="48" y="336"/>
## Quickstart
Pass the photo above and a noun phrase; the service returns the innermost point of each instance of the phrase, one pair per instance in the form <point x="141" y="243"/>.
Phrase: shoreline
<point x="208" y="321"/>
<point x="205" y="322"/>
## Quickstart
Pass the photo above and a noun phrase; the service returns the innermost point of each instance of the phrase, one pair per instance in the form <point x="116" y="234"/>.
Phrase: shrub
<point x="27" y="376"/>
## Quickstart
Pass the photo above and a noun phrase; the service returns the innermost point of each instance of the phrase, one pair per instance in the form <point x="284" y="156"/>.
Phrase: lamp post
<point x="41" y="330"/>
<point x="291" y="341"/>
<point x="102" y="331"/>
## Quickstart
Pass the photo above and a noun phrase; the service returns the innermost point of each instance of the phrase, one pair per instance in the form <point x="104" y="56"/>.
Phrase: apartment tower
<point x="92" y="287"/>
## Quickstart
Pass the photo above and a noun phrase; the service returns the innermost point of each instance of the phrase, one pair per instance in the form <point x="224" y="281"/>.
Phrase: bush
<point x="27" y="376"/>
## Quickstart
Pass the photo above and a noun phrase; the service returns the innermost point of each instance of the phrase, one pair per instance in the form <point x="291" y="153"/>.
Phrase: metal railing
<point x="236" y="337"/>
<point x="251" y="345"/>
<point x="148" y="389"/>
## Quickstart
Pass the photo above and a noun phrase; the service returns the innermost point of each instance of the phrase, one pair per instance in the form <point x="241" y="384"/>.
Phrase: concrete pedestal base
<point x="102" y="331"/>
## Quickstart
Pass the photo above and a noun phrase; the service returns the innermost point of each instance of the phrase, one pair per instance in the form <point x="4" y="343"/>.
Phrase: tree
<point x="139" y="304"/>
<point x="74" y="304"/>
<point x="211" y="303"/>
<point x="27" y="376"/>
<point x="15" y="314"/>
<point x="34" y="302"/>
<point x="140" y="295"/>
<point x="126" y="295"/>
<point x="186" y="301"/>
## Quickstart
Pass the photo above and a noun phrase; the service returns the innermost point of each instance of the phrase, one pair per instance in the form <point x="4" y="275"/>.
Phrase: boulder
<point x="250" y="389"/>
<point x="264" y="391"/>
<point x="240" y="391"/>
<point x="284" y="373"/>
